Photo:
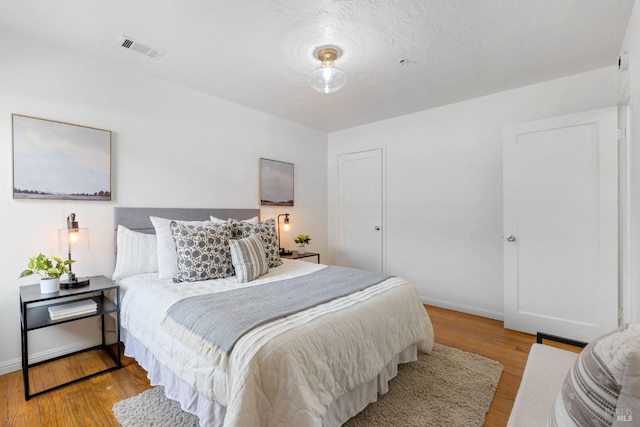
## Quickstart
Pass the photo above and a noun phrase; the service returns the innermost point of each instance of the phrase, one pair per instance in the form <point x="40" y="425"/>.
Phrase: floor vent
<point x="129" y="43"/>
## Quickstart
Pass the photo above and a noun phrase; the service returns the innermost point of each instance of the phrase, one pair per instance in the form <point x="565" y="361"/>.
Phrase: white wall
<point x="444" y="185"/>
<point x="172" y="147"/>
<point x="629" y="93"/>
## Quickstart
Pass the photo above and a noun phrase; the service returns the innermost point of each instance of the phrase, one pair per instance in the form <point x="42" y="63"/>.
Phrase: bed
<point x="318" y="366"/>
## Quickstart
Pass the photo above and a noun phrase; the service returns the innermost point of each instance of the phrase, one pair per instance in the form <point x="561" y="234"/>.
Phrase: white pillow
<point x="167" y="256"/>
<point x="137" y="253"/>
<point x="252" y="221"/>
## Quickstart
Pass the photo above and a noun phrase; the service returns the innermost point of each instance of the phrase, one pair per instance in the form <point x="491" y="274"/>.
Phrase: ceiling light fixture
<point x="327" y="79"/>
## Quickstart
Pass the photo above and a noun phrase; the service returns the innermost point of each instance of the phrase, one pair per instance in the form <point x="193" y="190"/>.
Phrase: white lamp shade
<point x="327" y="79"/>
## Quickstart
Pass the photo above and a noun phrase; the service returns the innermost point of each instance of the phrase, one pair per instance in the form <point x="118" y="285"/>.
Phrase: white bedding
<point x="287" y="372"/>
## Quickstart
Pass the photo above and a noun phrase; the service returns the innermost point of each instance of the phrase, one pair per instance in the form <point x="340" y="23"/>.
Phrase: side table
<point x="34" y="314"/>
<point x="296" y="255"/>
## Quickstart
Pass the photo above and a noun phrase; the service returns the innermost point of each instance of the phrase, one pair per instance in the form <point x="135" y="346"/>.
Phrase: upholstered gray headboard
<point x="138" y="218"/>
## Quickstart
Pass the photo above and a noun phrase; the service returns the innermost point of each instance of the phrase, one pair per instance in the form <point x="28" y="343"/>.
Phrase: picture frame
<point x="276" y="183"/>
<point x="58" y="160"/>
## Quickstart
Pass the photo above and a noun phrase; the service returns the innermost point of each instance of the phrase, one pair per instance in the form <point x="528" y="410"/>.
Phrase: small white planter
<point x="302" y="249"/>
<point x="48" y="286"/>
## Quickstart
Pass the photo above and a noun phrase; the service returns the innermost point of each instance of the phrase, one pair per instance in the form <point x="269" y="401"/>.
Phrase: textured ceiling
<point x="260" y="53"/>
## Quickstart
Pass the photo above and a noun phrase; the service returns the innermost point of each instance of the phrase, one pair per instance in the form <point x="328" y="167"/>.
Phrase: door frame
<point x="629" y="211"/>
<point x="333" y="216"/>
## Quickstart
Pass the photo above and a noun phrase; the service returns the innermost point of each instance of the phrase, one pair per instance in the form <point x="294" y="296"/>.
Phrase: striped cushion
<point x="602" y="386"/>
<point x="249" y="258"/>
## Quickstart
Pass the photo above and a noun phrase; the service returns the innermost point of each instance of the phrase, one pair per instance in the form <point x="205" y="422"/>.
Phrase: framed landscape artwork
<point x="56" y="160"/>
<point x="276" y="183"/>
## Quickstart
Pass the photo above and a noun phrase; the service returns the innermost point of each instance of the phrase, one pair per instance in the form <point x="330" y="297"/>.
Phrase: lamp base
<point x="72" y="284"/>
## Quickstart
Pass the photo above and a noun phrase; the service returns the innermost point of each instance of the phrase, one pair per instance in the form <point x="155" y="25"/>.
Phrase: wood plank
<point x="4" y="400"/>
<point x="52" y="410"/>
<point x="131" y="379"/>
<point x="82" y="406"/>
<point x="20" y="412"/>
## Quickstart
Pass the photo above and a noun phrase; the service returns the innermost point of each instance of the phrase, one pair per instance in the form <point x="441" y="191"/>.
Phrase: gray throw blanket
<point x="213" y="323"/>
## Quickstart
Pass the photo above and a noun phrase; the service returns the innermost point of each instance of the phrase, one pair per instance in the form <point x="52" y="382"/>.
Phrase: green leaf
<point x="53" y="272"/>
<point x="26" y="273"/>
<point x="45" y="267"/>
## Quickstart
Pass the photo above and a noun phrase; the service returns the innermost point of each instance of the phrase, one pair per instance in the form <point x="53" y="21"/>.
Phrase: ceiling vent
<point x="129" y="43"/>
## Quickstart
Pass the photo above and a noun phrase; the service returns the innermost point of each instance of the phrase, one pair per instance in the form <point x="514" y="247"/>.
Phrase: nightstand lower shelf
<point x="112" y="354"/>
<point x="34" y="314"/>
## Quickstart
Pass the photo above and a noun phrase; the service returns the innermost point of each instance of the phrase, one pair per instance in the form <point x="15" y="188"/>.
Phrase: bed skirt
<point x="211" y="414"/>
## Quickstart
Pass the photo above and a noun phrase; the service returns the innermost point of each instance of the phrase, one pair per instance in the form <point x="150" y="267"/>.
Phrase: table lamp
<point x="77" y="238"/>
<point x="286" y="227"/>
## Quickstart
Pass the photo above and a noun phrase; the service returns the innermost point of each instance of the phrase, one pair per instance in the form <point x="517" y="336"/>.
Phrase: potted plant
<point x="49" y="269"/>
<point x="301" y="241"/>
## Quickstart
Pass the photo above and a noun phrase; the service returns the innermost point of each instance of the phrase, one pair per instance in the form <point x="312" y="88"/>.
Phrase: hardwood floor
<point x="488" y="338"/>
<point x="90" y="402"/>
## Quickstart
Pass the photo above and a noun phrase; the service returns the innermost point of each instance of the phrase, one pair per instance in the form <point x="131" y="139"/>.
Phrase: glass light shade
<point x="327" y="79"/>
<point x="74" y="235"/>
<point x="73" y="239"/>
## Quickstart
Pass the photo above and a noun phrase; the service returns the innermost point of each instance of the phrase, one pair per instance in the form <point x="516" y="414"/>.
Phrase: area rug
<point x="447" y="387"/>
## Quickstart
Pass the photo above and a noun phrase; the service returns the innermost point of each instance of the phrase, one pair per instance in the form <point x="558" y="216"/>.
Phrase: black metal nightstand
<point x="296" y="255"/>
<point x="34" y="314"/>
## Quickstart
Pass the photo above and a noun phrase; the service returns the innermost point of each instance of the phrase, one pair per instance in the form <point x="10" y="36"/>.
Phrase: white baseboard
<point x="483" y="312"/>
<point x="16" y="364"/>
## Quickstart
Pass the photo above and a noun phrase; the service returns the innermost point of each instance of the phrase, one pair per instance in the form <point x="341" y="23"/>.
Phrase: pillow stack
<point x="266" y="231"/>
<point x="216" y="249"/>
<point x="189" y="251"/>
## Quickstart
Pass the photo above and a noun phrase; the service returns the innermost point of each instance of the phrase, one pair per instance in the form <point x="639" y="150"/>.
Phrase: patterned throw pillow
<point x="267" y="232"/>
<point x="248" y="257"/>
<point x="240" y="229"/>
<point x="203" y="252"/>
<point x="603" y="386"/>
<point x="253" y="220"/>
<point x="167" y="257"/>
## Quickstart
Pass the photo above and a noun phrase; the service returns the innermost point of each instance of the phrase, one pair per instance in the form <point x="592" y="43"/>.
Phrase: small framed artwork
<point x="276" y="183"/>
<point x="56" y="160"/>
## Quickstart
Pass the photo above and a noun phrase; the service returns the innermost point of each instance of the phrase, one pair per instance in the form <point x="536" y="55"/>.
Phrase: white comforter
<point x="289" y="371"/>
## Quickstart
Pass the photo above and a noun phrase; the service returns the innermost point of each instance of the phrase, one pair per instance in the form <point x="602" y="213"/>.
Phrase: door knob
<point x="511" y="238"/>
<point x="377" y="228"/>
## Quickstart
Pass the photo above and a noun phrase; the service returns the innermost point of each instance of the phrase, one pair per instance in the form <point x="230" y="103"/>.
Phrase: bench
<point x="542" y="380"/>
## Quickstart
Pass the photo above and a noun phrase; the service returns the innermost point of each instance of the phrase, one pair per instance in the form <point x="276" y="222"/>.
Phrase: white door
<point x="360" y="236"/>
<point x="561" y="225"/>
